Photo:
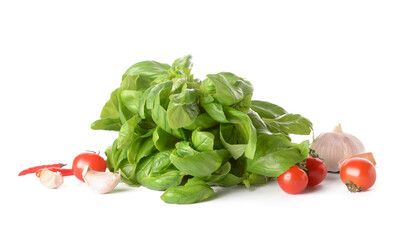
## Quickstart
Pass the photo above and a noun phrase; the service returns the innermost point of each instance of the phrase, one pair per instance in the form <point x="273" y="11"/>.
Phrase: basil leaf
<point x="111" y="107"/>
<point x="203" y="121"/>
<point x="126" y="133"/>
<point x="291" y="123"/>
<point x="200" y="164"/>
<point x="193" y="191"/>
<point x="184" y="149"/>
<point x="141" y="147"/>
<point x="226" y="94"/>
<point x="276" y="154"/>
<point x="232" y="140"/>
<point x="218" y="175"/>
<point x="163" y="140"/>
<point x="184" y="62"/>
<point x="229" y="180"/>
<point x="130" y="99"/>
<point x="107" y="124"/>
<point x="147" y="71"/>
<point x="247" y="134"/>
<point x="159" y="115"/>
<point x="202" y="141"/>
<point x="155" y="172"/>
<point x="183" y="109"/>
<point x="267" y="109"/>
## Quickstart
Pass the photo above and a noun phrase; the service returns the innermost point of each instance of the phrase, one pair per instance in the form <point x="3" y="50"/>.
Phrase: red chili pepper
<point x="63" y="171"/>
<point x="34" y="169"/>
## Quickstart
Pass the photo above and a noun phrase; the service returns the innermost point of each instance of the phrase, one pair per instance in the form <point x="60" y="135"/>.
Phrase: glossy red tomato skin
<point x="95" y="161"/>
<point x="359" y="171"/>
<point x="294" y="180"/>
<point x="317" y="171"/>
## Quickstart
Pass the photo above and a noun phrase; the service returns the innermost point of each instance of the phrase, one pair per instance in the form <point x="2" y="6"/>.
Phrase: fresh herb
<point x="181" y="135"/>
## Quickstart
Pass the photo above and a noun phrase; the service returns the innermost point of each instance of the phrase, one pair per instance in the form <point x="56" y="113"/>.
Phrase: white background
<point x="331" y="61"/>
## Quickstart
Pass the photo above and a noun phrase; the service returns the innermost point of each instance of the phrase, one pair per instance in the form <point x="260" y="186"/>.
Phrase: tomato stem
<point x="354" y="188"/>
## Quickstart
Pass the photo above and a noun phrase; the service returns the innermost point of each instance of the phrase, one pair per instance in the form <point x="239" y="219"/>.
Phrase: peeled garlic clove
<point x="334" y="146"/>
<point x="51" y="179"/>
<point x="100" y="182"/>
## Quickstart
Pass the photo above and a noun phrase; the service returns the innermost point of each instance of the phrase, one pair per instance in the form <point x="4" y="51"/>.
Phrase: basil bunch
<point x="181" y="135"/>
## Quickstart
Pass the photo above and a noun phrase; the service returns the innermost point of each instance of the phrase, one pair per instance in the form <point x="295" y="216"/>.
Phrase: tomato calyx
<point x="352" y="187"/>
<point x="313" y="154"/>
<point x="303" y="166"/>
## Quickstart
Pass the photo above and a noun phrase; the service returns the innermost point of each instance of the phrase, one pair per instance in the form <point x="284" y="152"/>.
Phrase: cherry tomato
<point x="95" y="161"/>
<point x="358" y="174"/>
<point x="317" y="171"/>
<point x="294" y="180"/>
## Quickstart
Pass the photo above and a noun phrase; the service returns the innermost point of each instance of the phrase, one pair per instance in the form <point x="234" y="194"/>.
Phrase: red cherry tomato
<point x="294" y="180"/>
<point x="358" y="174"/>
<point x="95" y="161"/>
<point x="317" y="171"/>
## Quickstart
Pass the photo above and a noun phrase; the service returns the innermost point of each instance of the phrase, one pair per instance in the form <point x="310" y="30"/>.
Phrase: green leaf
<point x="147" y="71"/>
<point x="229" y="180"/>
<point x="258" y="123"/>
<point x="245" y="134"/>
<point x="275" y="154"/>
<point x="183" y="109"/>
<point x="202" y="141"/>
<point x="267" y="109"/>
<point x="192" y="192"/>
<point x="163" y="140"/>
<point x="226" y="94"/>
<point x="184" y="62"/>
<point x="200" y="164"/>
<point x="130" y="99"/>
<point x="111" y="107"/>
<point x="156" y="172"/>
<point x="155" y="97"/>
<point x="203" y="121"/>
<point x="291" y="124"/>
<point x="229" y="88"/>
<point x="107" y="124"/>
<point x="232" y="140"/>
<point x="184" y="149"/>
<point x="126" y="134"/>
<point x="218" y="175"/>
<point x="141" y="147"/>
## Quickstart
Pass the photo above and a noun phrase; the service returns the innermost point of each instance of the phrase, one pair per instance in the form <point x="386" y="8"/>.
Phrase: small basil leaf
<point x="267" y="109"/>
<point x="202" y="141"/>
<point x="110" y="124"/>
<point x="192" y="192"/>
<point x="203" y="121"/>
<point x="148" y="72"/>
<point x="201" y="164"/>
<point x="291" y="123"/>
<point x="130" y="99"/>
<point x="163" y="140"/>
<point x="183" y="109"/>
<point x="155" y="172"/>
<point x="276" y="154"/>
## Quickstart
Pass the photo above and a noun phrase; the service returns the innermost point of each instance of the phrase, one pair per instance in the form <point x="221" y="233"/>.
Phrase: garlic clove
<point x="51" y="179"/>
<point x="100" y="182"/>
<point x="368" y="156"/>
<point x="331" y="147"/>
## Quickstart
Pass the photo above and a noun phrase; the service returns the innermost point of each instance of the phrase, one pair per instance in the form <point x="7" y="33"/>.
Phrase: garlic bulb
<point x="334" y="146"/>
<point x="100" y="182"/>
<point x="51" y="179"/>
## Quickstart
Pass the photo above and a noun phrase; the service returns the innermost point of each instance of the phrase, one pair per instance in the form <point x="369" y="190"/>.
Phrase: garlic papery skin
<point x="51" y="179"/>
<point x="334" y="146"/>
<point x="100" y="182"/>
